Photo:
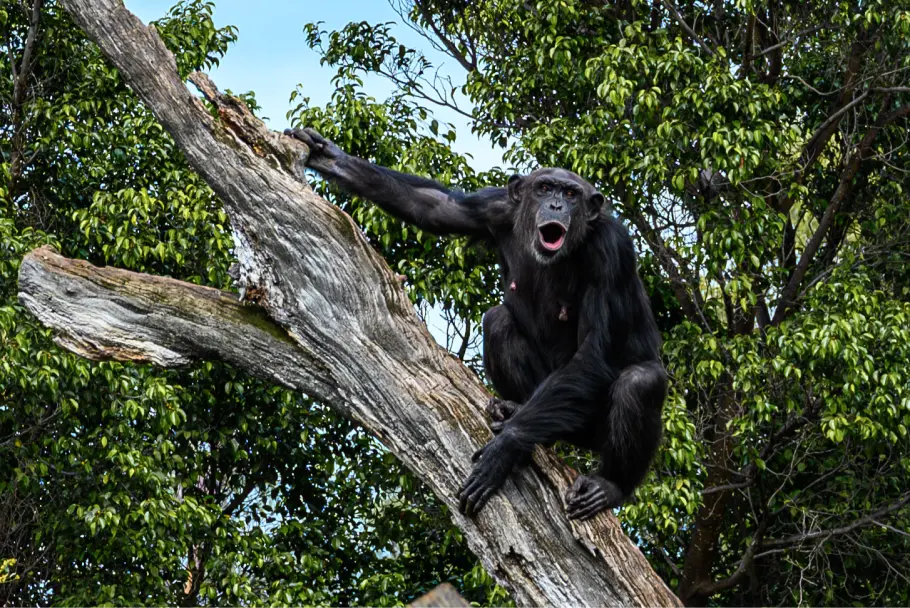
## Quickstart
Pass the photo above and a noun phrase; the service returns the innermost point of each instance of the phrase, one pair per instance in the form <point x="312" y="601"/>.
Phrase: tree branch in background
<point x="679" y="18"/>
<point x="798" y="539"/>
<point x="468" y="64"/>
<point x="677" y="282"/>
<point x="709" y="589"/>
<point x="788" y="295"/>
<point x="21" y="77"/>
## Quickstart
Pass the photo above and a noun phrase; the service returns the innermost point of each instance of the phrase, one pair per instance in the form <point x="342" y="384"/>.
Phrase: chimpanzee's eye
<point x="570" y="194"/>
<point x="545" y="187"/>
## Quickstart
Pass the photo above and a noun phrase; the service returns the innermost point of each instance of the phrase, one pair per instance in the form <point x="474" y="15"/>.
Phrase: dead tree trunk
<point x="321" y="313"/>
<point x="443" y="595"/>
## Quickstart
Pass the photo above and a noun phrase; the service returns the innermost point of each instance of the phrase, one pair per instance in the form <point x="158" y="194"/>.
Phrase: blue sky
<point x="271" y="57"/>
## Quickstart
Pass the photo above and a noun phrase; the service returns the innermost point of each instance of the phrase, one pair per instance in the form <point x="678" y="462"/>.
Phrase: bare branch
<point x="465" y="340"/>
<point x="787" y="298"/>
<point x="443" y="595"/>
<point x="809" y="86"/>
<point x="708" y="589"/>
<point x="729" y="486"/>
<point x="679" y="18"/>
<point x="792" y="39"/>
<point x="834" y="118"/>
<point x="666" y="258"/>
<point x="817" y="142"/>
<point x="106" y="313"/>
<point x="847" y="107"/>
<point x="20" y="86"/>
<point x="29" y="50"/>
<point x="468" y="65"/>
<point x="823" y="535"/>
<point x="892" y="528"/>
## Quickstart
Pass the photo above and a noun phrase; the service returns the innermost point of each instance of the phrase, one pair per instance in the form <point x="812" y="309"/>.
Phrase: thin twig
<point x="798" y="539"/>
<point x="796" y="37"/>
<point x="676" y="15"/>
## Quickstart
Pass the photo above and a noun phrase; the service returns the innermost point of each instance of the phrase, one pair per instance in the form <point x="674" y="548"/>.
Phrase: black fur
<point x="573" y="350"/>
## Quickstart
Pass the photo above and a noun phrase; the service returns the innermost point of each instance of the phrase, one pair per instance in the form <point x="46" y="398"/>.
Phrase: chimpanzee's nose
<point x="556" y="205"/>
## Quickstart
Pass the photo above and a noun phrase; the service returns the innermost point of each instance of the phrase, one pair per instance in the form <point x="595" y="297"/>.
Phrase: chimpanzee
<point x="573" y="351"/>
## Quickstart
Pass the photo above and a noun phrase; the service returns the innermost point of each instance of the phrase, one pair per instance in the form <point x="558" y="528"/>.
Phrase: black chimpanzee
<point x="573" y="350"/>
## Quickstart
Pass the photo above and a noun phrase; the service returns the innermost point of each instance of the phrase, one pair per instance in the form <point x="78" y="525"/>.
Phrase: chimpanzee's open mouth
<point x="552" y="235"/>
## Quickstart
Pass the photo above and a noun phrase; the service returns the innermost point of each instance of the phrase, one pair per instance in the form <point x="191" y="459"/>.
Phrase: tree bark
<point x="329" y="319"/>
<point x="443" y="595"/>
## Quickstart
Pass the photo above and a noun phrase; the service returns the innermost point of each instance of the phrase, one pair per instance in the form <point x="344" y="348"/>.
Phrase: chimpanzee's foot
<point x="499" y="411"/>
<point x="590" y="495"/>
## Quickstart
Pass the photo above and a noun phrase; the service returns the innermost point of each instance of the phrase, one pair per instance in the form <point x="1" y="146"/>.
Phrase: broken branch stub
<point x="338" y="327"/>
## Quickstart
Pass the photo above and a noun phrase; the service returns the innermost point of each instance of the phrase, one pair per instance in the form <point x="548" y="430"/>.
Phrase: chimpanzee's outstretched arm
<point x="416" y="200"/>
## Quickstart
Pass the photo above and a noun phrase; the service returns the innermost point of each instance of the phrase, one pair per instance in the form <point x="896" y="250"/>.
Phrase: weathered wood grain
<point x="444" y="595"/>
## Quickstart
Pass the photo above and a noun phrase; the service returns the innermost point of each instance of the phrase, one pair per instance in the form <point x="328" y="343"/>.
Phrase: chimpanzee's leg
<point x="511" y="363"/>
<point x="631" y="436"/>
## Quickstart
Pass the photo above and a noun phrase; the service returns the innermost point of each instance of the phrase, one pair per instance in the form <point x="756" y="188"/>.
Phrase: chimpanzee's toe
<point x="588" y="496"/>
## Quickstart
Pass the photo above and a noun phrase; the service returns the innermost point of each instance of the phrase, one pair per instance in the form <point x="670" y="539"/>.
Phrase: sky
<point x="271" y="57"/>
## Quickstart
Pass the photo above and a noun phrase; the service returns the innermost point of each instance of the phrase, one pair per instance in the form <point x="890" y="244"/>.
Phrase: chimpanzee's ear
<point x="595" y="205"/>
<point x="514" y="186"/>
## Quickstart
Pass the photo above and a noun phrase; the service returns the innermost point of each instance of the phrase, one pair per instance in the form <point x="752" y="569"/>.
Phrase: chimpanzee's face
<point x="555" y="209"/>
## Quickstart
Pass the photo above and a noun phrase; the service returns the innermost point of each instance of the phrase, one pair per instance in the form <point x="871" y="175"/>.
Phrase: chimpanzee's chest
<point x="545" y="303"/>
